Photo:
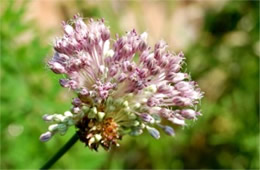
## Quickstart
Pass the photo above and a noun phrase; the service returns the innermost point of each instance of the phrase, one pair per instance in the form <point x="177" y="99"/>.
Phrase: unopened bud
<point x="92" y="113"/>
<point x="53" y="127"/>
<point x="168" y="130"/>
<point x="68" y="114"/>
<point x="57" y="67"/>
<point x="47" y="117"/>
<point x="153" y="132"/>
<point x="147" y="118"/>
<point x="188" y="113"/>
<point x="98" y="137"/>
<point x="68" y="30"/>
<point x="45" y="136"/>
<point x="101" y="115"/>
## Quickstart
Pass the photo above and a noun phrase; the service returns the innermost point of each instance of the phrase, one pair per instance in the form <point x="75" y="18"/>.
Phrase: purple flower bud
<point x="147" y="118"/>
<point x="168" y="130"/>
<point x="68" y="83"/>
<point x="60" y="58"/>
<point x="76" y="102"/>
<point x="153" y="132"/>
<point x="45" y="136"/>
<point x="64" y="83"/>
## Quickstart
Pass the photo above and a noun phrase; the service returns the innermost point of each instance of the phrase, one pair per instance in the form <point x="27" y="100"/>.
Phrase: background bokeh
<point x="220" y="39"/>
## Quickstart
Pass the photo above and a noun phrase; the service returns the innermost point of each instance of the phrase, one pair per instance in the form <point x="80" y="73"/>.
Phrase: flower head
<point x="122" y="88"/>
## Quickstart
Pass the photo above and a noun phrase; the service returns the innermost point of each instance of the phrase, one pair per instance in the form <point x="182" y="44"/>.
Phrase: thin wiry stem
<point x="61" y="152"/>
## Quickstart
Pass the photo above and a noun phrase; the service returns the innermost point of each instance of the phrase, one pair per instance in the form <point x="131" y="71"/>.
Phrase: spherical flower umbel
<point x="123" y="86"/>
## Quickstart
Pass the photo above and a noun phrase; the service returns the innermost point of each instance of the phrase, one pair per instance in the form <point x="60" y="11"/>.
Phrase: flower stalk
<point x="61" y="152"/>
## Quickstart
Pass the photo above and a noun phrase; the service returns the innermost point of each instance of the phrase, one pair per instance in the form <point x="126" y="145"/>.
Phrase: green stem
<point x="61" y="152"/>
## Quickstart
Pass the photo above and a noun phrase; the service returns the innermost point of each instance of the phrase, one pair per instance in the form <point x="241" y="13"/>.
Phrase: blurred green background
<point x="220" y="39"/>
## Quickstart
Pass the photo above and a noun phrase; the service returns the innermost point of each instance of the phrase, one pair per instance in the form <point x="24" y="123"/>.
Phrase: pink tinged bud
<point x="175" y="68"/>
<point x="73" y="84"/>
<point x="68" y="83"/>
<point x="84" y="92"/>
<point x="179" y="77"/>
<point x="155" y="70"/>
<point x="147" y="118"/>
<point x="160" y="45"/>
<point x="152" y="101"/>
<point x="181" y="54"/>
<point x="80" y="25"/>
<point x="75" y="110"/>
<point x="177" y="121"/>
<point x="91" y="38"/>
<point x="165" y="89"/>
<point x="68" y="30"/>
<point x="164" y="112"/>
<point x="127" y="49"/>
<point x="181" y="101"/>
<point x="189" y="113"/>
<point x="45" y="136"/>
<point x="153" y="132"/>
<point x="103" y="94"/>
<point x="142" y="46"/>
<point x="57" y="67"/>
<point x="122" y="77"/>
<point x="105" y="34"/>
<point x="144" y="55"/>
<point x="163" y="62"/>
<point x="183" y="86"/>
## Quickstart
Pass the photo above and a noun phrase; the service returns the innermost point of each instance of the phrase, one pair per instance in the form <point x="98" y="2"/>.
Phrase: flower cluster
<point x="122" y="88"/>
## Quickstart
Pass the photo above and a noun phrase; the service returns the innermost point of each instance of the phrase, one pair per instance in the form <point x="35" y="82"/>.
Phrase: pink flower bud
<point x="57" y="67"/>
<point x="105" y="34"/>
<point x="68" y="30"/>
<point x="152" y="101"/>
<point x="189" y="113"/>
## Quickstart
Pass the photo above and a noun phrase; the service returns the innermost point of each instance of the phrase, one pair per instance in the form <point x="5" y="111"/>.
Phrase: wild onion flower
<point x="123" y="86"/>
